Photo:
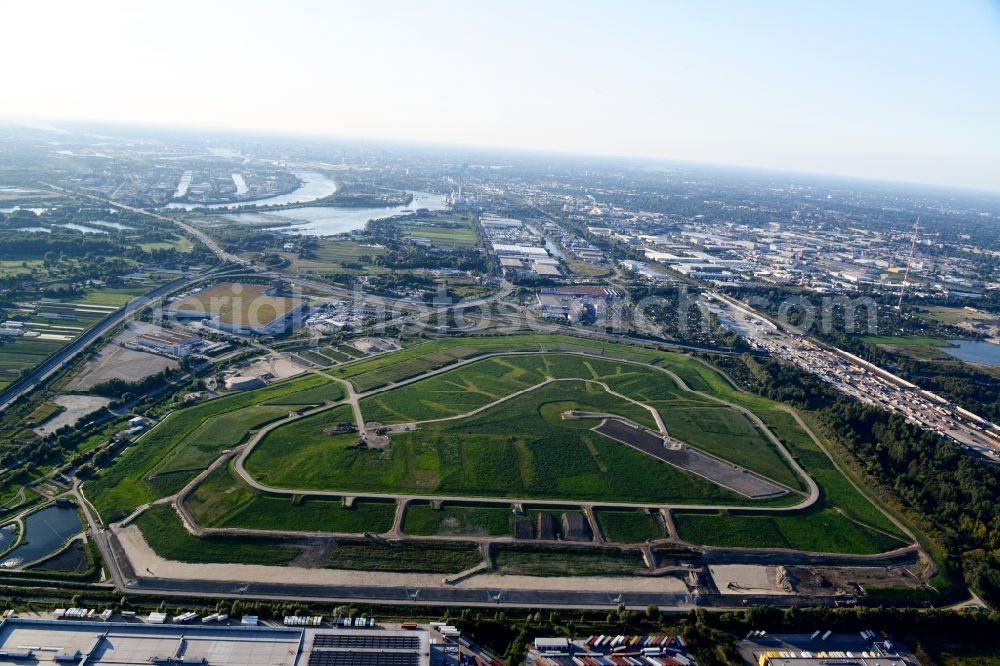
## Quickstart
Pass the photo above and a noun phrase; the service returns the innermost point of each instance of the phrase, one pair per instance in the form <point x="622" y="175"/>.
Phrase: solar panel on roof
<point x="351" y="658"/>
<point x="366" y="642"/>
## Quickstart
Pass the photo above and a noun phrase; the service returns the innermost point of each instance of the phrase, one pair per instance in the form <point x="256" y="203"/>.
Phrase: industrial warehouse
<point x="31" y="641"/>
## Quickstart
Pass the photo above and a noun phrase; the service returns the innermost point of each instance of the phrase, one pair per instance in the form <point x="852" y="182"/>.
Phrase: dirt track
<point x="144" y="560"/>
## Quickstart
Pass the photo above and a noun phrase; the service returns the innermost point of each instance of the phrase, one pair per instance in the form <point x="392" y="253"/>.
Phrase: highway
<point x="860" y="379"/>
<point x="43" y="371"/>
<point x="51" y="365"/>
<point x="193" y="231"/>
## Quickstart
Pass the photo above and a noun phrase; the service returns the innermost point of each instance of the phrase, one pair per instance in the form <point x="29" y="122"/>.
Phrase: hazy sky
<point x="906" y="90"/>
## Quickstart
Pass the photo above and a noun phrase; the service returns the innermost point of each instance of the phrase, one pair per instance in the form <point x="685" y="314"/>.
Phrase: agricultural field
<point x="51" y="324"/>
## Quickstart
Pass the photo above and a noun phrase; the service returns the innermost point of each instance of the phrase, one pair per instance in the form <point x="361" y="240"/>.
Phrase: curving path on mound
<point x="811" y="496"/>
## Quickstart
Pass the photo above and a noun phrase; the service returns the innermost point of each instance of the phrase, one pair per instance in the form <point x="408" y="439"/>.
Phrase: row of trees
<point x="951" y="495"/>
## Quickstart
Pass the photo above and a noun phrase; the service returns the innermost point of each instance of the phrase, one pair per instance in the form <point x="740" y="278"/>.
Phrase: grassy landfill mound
<point x="521" y="447"/>
<point x="186" y="441"/>
<point x="223" y="501"/>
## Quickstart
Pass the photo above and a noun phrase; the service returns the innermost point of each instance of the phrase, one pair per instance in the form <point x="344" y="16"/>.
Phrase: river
<point x="974" y="351"/>
<point x="330" y="220"/>
<point x="314" y="186"/>
<point x="81" y="228"/>
<point x="550" y="245"/>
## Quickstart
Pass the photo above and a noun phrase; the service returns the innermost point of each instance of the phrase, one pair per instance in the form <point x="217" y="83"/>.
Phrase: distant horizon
<point x="208" y="132"/>
<point x="898" y="91"/>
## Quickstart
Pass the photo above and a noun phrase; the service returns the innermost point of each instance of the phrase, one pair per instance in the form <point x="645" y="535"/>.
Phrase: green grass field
<point x="454" y="236"/>
<point x="314" y="357"/>
<point x="330" y="392"/>
<point x="953" y="315"/>
<point x="165" y="534"/>
<point x="163" y="530"/>
<point x="698" y="421"/>
<point x="950" y="653"/>
<point x="629" y="526"/>
<point x="440" y="558"/>
<point x="221" y="500"/>
<point x="179" y="243"/>
<point x="452" y="519"/>
<point x="167" y="457"/>
<point x="836" y="490"/>
<point x="411" y="361"/>
<point x="335" y="355"/>
<point x="9" y="267"/>
<point x="825" y="531"/>
<point x="521" y="448"/>
<point x="472" y="386"/>
<point x="339" y="250"/>
<point x="116" y="296"/>
<point x="554" y="561"/>
<point x="338" y="255"/>
<point x="43" y="413"/>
